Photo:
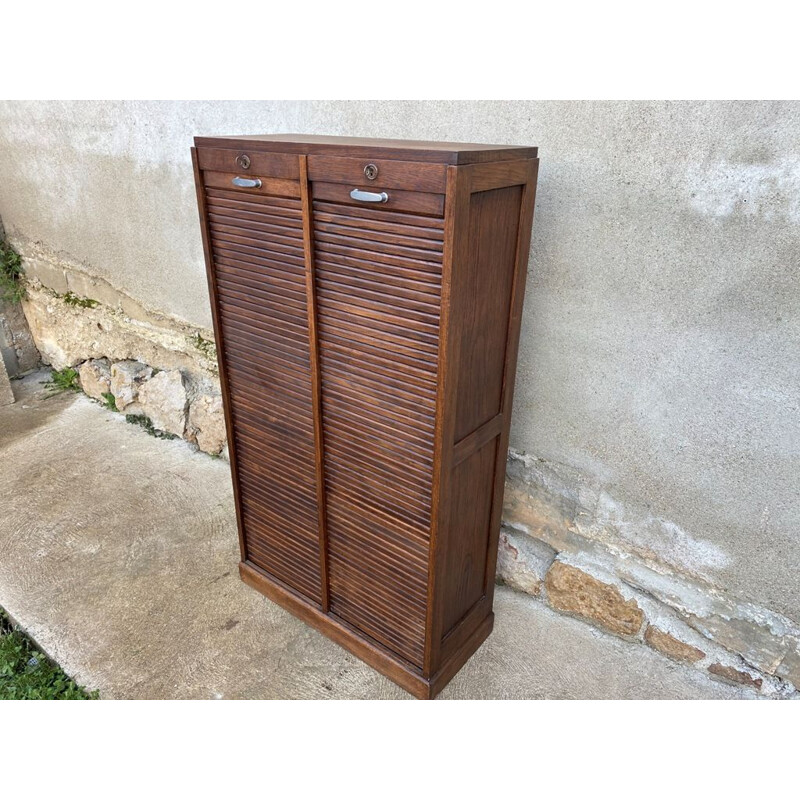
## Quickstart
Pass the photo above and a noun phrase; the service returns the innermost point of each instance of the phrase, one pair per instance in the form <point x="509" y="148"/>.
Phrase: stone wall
<point x="18" y="353"/>
<point x="560" y="546"/>
<point x="17" y="347"/>
<point x="656" y="435"/>
<point x="140" y="363"/>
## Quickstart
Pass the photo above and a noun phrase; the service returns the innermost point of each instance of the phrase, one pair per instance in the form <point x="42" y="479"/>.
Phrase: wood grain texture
<point x="316" y="385"/>
<point x="484" y="305"/>
<point x="399" y="199"/>
<point x="267" y="334"/>
<point x="464" y="562"/>
<point x="367" y="356"/>
<point x="203" y="211"/>
<point x="275" y="187"/>
<point x="414" y="176"/>
<point x="521" y="257"/>
<point x="470" y="444"/>
<point x="378" y="419"/>
<point x="349" y="146"/>
<point x="276" y="165"/>
<point x="456" y="253"/>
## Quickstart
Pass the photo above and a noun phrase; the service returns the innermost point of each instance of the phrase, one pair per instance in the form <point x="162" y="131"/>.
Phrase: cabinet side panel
<point x="482" y="291"/>
<point x="484" y="297"/>
<point x="465" y="559"/>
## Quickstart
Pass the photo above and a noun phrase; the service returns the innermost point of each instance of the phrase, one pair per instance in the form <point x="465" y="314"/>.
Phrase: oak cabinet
<point x="366" y="297"/>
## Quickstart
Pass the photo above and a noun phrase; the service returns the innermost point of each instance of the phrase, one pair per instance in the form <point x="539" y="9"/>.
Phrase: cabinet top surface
<point x="441" y="152"/>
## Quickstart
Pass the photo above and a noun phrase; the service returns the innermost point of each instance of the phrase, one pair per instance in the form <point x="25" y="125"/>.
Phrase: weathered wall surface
<point x="657" y="393"/>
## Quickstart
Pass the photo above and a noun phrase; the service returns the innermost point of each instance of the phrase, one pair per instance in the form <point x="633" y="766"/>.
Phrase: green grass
<point x="11" y="286"/>
<point x="205" y="346"/>
<point x="146" y="423"/>
<point x="63" y="380"/>
<point x="72" y="299"/>
<point x="109" y="401"/>
<point x="27" y="674"/>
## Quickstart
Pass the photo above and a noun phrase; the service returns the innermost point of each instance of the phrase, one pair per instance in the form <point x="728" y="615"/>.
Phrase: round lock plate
<point x="371" y="171"/>
<point x="243" y="161"/>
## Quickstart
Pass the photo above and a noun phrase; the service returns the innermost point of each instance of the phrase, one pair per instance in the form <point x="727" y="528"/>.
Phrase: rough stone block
<point x="576" y="592"/>
<point x="126" y="379"/>
<point x="67" y="335"/>
<point x="207" y="423"/>
<point x="49" y="274"/>
<point x="16" y="343"/>
<point x="733" y="675"/>
<point x="163" y="399"/>
<point x="522" y="561"/>
<point x="789" y="668"/>
<point x="756" y="643"/>
<point x="6" y="392"/>
<point x="95" y="377"/>
<point x="670" y="646"/>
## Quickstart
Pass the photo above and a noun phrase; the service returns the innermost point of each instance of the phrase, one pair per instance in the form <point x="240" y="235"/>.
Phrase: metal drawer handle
<point x="369" y="197"/>
<point x="247" y="183"/>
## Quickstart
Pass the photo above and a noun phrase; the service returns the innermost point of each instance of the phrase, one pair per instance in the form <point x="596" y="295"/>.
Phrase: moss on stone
<point x="145" y="422"/>
<point x="205" y="346"/>
<point x="72" y="299"/>
<point x="12" y="288"/>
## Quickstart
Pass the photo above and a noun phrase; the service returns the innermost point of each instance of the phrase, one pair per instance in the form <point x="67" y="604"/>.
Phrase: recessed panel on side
<point x="483" y="305"/>
<point x="468" y="545"/>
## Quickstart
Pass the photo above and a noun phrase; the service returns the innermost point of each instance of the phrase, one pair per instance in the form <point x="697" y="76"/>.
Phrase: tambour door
<point x="367" y="340"/>
<point x="378" y="250"/>
<point x="254" y="228"/>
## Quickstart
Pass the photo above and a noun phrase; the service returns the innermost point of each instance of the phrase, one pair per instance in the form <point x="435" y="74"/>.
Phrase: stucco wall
<point x="658" y="374"/>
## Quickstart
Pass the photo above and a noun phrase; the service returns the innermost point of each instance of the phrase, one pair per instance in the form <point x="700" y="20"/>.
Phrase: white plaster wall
<point x="659" y="361"/>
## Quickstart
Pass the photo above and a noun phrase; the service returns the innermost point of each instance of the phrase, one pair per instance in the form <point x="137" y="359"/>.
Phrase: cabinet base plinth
<point x="383" y="660"/>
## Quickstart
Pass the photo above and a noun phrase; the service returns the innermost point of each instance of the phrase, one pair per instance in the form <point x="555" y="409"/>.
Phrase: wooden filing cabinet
<point x="367" y="297"/>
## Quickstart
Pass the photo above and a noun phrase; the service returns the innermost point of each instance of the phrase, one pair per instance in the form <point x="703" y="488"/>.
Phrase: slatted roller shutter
<point x="259" y="272"/>
<point x="367" y="298"/>
<point x="378" y="290"/>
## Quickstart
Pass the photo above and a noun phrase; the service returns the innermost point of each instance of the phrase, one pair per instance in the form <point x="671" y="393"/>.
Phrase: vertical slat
<point x="215" y="316"/>
<point x="456" y="243"/>
<point x="316" y="393"/>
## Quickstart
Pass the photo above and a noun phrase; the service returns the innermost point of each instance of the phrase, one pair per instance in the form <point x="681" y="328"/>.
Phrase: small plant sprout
<point x="63" y="380"/>
<point x="12" y="287"/>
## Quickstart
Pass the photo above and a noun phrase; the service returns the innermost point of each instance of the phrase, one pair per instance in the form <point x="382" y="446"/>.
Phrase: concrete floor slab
<point x="119" y="553"/>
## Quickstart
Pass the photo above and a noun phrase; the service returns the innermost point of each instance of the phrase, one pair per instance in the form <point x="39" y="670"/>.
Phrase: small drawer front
<point x="251" y="184"/>
<point x="396" y="199"/>
<point x="409" y="175"/>
<point x="245" y="162"/>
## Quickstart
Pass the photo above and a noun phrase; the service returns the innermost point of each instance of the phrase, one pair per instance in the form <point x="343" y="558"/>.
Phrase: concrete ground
<point x="118" y="554"/>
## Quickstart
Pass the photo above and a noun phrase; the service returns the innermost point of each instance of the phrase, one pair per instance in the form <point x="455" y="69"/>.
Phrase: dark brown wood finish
<point x="355" y="147"/>
<point x="367" y="356"/>
<point x="316" y="388"/>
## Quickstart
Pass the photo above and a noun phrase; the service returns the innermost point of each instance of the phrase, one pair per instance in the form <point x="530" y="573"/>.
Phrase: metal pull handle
<point x="247" y="183"/>
<point x="369" y="197"/>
